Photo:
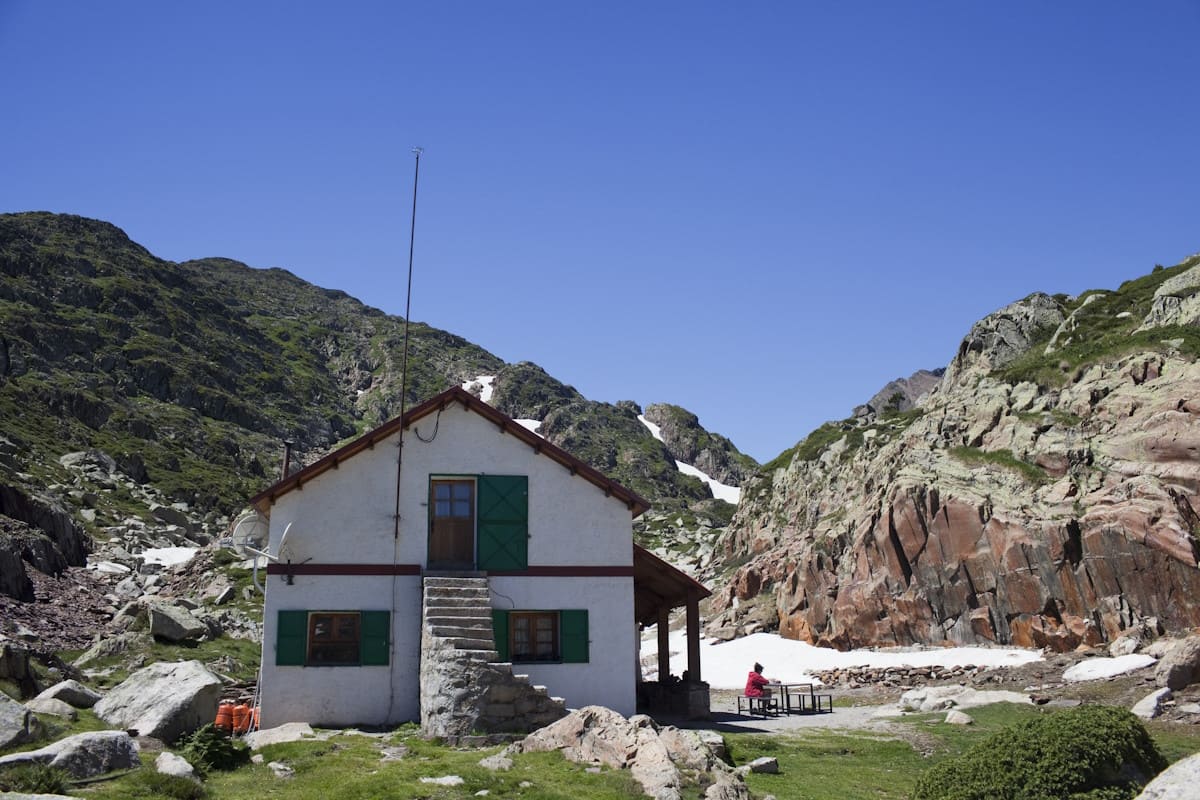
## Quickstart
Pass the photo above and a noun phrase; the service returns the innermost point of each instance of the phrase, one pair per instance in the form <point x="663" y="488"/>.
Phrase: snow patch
<point x="655" y="430"/>
<point x="730" y="494"/>
<point x="531" y="425"/>
<point x="486" y="385"/>
<point x="1096" y="668"/>
<point x="725" y="664"/>
<point x="169" y="556"/>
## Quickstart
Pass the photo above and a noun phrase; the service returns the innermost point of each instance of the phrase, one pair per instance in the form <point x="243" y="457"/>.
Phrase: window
<point x="533" y="636"/>
<point x="333" y="638"/>
<point x="541" y="636"/>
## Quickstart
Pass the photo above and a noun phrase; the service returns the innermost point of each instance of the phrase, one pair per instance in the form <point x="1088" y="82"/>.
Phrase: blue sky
<point x="759" y="211"/>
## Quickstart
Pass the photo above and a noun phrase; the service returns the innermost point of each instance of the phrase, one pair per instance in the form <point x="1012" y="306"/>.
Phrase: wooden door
<point x="452" y="524"/>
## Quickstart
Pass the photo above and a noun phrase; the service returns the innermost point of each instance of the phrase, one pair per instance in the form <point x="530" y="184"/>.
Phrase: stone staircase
<point x="465" y="690"/>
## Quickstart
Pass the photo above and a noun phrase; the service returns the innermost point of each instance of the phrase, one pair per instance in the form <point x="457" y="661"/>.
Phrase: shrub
<point x="1084" y="753"/>
<point x="33" y="779"/>
<point x="210" y="748"/>
<point x="150" y="784"/>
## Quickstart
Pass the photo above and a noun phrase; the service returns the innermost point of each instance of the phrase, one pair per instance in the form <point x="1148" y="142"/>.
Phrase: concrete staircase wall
<point x="465" y="690"/>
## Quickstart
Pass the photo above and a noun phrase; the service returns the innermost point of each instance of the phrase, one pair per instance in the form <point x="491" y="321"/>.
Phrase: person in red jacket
<point x="756" y="684"/>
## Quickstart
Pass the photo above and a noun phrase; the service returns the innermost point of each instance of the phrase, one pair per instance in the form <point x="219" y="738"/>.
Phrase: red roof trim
<point x="635" y="502"/>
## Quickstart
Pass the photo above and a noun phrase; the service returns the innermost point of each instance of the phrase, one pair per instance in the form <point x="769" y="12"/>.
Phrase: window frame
<point x="334" y="641"/>
<point x="516" y="618"/>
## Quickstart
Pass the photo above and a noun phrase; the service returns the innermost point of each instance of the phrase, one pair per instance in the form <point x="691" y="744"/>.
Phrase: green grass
<point x="814" y="764"/>
<point x="1001" y="458"/>
<point x="847" y="766"/>
<point x="1102" y="334"/>
<point x="350" y="768"/>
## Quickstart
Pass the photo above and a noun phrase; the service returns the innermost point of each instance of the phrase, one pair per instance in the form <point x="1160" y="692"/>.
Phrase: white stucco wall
<point x="345" y="516"/>
<point x="610" y="676"/>
<point x="344" y="695"/>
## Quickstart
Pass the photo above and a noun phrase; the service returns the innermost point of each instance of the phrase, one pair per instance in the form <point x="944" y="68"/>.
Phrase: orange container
<point x="254" y="718"/>
<point x="224" y="719"/>
<point x="241" y="718"/>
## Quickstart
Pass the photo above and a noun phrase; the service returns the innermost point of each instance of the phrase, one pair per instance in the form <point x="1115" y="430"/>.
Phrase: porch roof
<point x="658" y="585"/>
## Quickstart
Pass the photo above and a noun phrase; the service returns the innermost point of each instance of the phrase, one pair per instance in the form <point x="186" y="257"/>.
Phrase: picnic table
<point x="800" y="698"/>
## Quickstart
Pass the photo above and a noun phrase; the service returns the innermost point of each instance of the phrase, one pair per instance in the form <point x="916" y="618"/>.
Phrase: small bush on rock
<point x="1084" y="753"/>
<point x="210" y="748"/>
<point x="34" y="779"/>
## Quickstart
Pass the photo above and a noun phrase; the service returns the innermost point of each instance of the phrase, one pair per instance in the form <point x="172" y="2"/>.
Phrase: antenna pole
<point x="412" y="236"/>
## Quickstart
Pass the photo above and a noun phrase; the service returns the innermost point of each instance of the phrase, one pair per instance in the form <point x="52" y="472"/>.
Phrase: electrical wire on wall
<point x="412" y="231"/>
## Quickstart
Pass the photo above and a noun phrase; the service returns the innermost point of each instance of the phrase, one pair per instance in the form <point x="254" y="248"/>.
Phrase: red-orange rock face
<point x="916" y="537"/>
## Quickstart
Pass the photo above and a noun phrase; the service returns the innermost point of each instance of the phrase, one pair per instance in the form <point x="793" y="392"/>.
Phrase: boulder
<point x="170" y="764"/>
<point x="15" y="666"/>
<point x="1176" y="782"/>
<point x="1152" y="704"/>
<point x="133" y="640"/>
<point x="83" y="755"/>
<point x="174" y="624"/>
<point x="768" y="765"/>
<point x="72" y="692"/>
<point x="956" y="717"/>
<point x="164" y="700"/>
<point x="18" y="724"/>
<point x="287" y="732"/>
<point x="942" y="698"/>
<point x="727" y="787"/>
<point x="1181" y="666"/>
<point x="51" y="706"/>
<point x="594" y="734"/>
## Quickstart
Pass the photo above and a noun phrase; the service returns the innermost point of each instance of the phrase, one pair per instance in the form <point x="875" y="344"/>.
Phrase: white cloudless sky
<point x="762" y="212"/>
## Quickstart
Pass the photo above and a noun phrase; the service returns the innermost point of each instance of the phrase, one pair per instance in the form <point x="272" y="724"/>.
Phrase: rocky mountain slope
<point x="1044" y="493"/>
<point x="142" y="401"/>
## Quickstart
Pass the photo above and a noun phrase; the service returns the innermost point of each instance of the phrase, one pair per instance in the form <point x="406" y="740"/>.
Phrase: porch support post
<point x="664" y="651"/>
<point x="693" y="635"/>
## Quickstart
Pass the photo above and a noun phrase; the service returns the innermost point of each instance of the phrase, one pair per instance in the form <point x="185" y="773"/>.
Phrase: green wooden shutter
<point x="291" y="639"/>
<point x="374" y="634"/>
<point x="502" y="524"/>
<point x="500" y="631"/>
<point x="574" y="624"/>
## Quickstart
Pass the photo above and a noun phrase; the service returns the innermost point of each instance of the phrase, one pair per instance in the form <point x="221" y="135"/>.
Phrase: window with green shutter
<point x="333" y="638"/>
<point x="541" y="636"/>
<point x="574" y="636"/>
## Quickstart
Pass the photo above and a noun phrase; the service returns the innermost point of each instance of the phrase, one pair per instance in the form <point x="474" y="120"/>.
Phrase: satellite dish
<point x="250" y="537"/>
<point x="250" y="530"/>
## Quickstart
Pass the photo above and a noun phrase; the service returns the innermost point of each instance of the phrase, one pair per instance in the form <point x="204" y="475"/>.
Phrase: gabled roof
<point x="636" y="504"/>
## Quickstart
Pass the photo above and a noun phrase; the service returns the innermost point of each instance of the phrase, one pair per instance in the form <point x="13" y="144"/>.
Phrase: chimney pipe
<point x="288" y="444"/>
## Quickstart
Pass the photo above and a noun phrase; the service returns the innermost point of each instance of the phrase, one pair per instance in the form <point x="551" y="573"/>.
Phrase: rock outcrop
<point x="83" y="755"/>
<point x="164" y="700"/>
<point x="664" y="760"/>
<point x="1051" y="512"/>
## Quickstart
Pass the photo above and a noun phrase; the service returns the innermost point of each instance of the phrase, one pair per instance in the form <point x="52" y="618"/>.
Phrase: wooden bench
<point x="767" y="706"/>
<point x="816" y="703"/>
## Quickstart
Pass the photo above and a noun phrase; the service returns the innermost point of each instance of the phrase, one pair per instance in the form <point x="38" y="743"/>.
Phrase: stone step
<point x="470" y="643"/>
<point x="475" y="621"/>
<point x="482" y="598"/>
<point x="460" y="632"/>
<point x="455" y="580"/>
<point x="459" y="612"/>
<point x="454" y="585"/>
<point x="479" y="617"/>
<point x="478" y="654"/>
<point x="458" y="602"/>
